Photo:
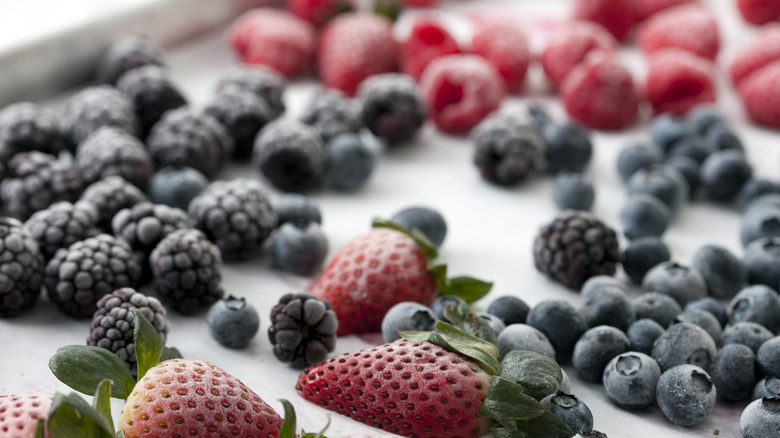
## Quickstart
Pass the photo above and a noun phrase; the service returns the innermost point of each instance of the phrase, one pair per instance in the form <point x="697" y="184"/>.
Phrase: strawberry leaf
<point x="506" y="403"/>
<point x="468" y="345"/>
<point x="40" y="429"/>
<point x="71" y="417"/>
<point x="500" y="431"/>
<point x="289" y="426"/>
<point x="469" y="288"/>
<point x="388" y="8"/>
<point x="463" y="318"/>
<point x="422" y="240"/>
<point x="83" y="368"/>
<point x="546" y="425"/>
<point x="538" y="374"/>
<point x="169" y="353"/>
<point x="320" y="434"/>
<point x="148" y="347"/>
<point x="102" y="403"/>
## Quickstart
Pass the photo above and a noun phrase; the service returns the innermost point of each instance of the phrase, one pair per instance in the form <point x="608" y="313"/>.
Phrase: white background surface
<point x="491" y="230"/>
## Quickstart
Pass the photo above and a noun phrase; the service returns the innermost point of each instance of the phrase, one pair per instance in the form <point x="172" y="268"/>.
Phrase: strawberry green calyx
<point x="418" y="236"/>
<point x="463" y="318"/>
<point x="390" y="9"/>
<point x="289" y="426"/>
<point x="72" y="417"/>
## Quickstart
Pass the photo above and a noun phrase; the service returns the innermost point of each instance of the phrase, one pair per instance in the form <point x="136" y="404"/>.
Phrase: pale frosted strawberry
<point x="19" y="414"/>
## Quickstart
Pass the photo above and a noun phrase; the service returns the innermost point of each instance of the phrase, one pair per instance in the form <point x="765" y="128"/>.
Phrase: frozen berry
<point x="608" y="306"/>
<point x="658" y="307"/>
<point x="724" y="173"/>
<point x="144" y="225"/>
<point x="761" y="219"/>
<point x="747" y="333"/>
<point x="95" y="107"/>
<point x="703" y="319"/>
<point x="617" y="16"/>
<point x="667" y="129"/>
<point x="760" y="259"/>
<point x="510" y="309"/>
<point x="684" y="343"/>
<point x="696" y="148"/>
<point x="62" y="224"/>
<point x="758" y="11"/>
<point x="27" y="127"/>
<point x="22" y="266"/>
<point x="332" y="113"/>
<point x="642" y="335"/>
<point x="152" y="94"/>
<point x="493" y="322"/>
<point x="507" y="149"/>
<point x="678" y="81"/>
<point x="758" y="92"/>
<point x="176" y="186"/>
<point x="688" y="27"/>
<point x="630" y="380"/>
<point x="110" y="151"/>
<point x="689" y="169"/>
<point x="567" y="147"/>
<point x="683" y="283"/>
<point x="303" y="329"/>
<point x="127" y="54"/>
<point x="595" y="349"/>
<point x="111" y="195"/>
<point x="686" y="394"/>
<point x="756" y="187"/>
<point x="560" y="322"/>
<point x="596" y="284"/>
<point x="636" y="156"/>
<point x="766" y="387"/>
<point x="350" y="162"/>
<point x="290" y="155"/>
<point x="647" y="8"/>
<point x="712" y="306"/>
<point x="296" y="208"/>
<point x="445" y="302"/>
<point x="768" y="357"/>
<point x="644" y="215"/>
<point x="734" y="372"/>
<point x="570" y="409"/>
<point x="524" y="337"/>
<point x="573" y="191"/>
<point x="758" y="304"/>
<point x="259" y="80"/>
<point x="643" y="254"/>
<point x="407" y="316"/>
<point x="243" y="115"/>
<point x="233" y="322"/>
<point x="428" y="40"/>
<point x="299" y="248"/>
<point x="426" y="219"/>
<point x="760" y="52"/>
<point x="318" y="12"/>
<point x="504" y="45"/>
<point x="392" y="107"/>
<point x="761" y="418"/>
<point x="723" y="272"/>
<point x="571" y="45"/>
<point x="664" y="183"/>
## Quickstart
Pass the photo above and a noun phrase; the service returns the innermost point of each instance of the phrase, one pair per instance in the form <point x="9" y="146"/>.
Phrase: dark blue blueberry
<point x="683" y="283"/>
<point x="723" y="174"/>
<point x="734" y="372"/>
<point x="643" y="254"/>
<point x="747" y="333"/>
<point x="689" y="169"/>
<point x="524" y="337"/>
<point x="510" y="309"/>
<point x="761" y="219"/>
<point x="407" y="316"/>
<point x="608" y="306"/>
<point x="766" y="387"/>
<point x="658" y="307"/>
<point x="597" y="283"/>
<point x="768" y="357"/>
<point x="595" y="349"/>
<point x="723" y="272"/>
<point x="573" y="191"/>
<point x="567" y="147"/>
<point x="561" y="323"/>
<point x="233" y="322"/>
<point x="493" y="321"/>
<point x="296" y="208"/>
<point x="703" y="319"/>
<point x="761" y="418"/>
<point x="349" y="162"/>
<point x="299" y="248"/>
<point x="663" y="182"/>
<point x="724" y="138"/>
<point x="665" y="130"/>
<point x="642" y="334"/>
<point x="703" y="117"/>
<point x="686" y="394"/>
<point x="539" y="116"/>
<point x="176" y="186"/>
<point x="635" y="157"/>
<point x="570" y="409"/>
<point x="630" y="380"/>
<point x="426" y="219"/>
<point x="694" y="147"/>
<point x="713" y="306"/>
<point x="684" y="343"/>
<point x="442" y="301"/>
<point x="759" y="304"/>
<point x="644" y="216"/>
<point x="756" y="187"/>
<point x="762" y="258"/>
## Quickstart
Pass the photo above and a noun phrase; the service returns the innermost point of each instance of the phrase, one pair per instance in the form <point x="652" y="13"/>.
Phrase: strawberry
<point x="19" y="414"/>
<point x="569" y="47"/>
<point x="318" y="12"/>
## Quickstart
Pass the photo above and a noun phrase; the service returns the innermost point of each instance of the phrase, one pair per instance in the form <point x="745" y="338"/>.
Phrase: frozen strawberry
<point x="505" y="47"/>
<point x="762" y="51"/>
<point x="760" y="93"/>
<point x="678" y="81"/>
<point x="646" y="8"/>
<point x="318" y="12"/>
<point x="571" y="45"/>
<point x="274" y="38"/>
<point x="460" y="90"/>
<point x="428" y="41"/>
<point x="688" y="27"/>
<point x="600" y="93"/>
<point x="19" y="414"/>
<point x="759" y="11"/>
<point x="617" y="16"/>
<point x="355" y="46"/>
<point x="421" y="3"/>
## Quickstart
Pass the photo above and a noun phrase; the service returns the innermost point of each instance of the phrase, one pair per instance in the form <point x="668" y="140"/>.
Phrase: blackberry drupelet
<point x="26" y="127"/>
<point x="111" y="195"/>
<point x="127" y="54"/>
<point x="111" y="151"/>
<point x="78" y="276"/>
<point x="508" y="149"/>
<point x="331" y="113"/>
<point x="574" y="247"/>
<point x="291" y="155"/>
<point x="62" y="224"/>
<point x="36" y="180"/>
<point x="144" y="225"/>
<point x="236" y="215"/>
<point x="152" y="94"/>
<point x="112" y="324"/>
<point x="243" y="115"/>
<point x="184" y="138"/>
<point x="187" y="271"/>
<point x="303" y="329"/>
<point x="21" y="268"/>
<point x="95" y="107"/>
<point x="261" y="81"/>
<point x="393" y="108"/>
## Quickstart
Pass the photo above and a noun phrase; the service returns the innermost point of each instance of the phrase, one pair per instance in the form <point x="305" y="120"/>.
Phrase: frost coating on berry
<point x="127" y="54"/>
<point x="95" y="107"/>
<point x="19" y="414"/>
<point x="63" y="224"/>
<point x="392" y="107"/>
<point x="21" y="268"/>
<point x="243" y="115"/>
<point x="152" y="94"/>
<point x="617" y="16"/>
<point x="630" y="380"/>
<point x="110" y="151"/>
<point x="686" y="394"/>
<point x="144" y="225"/>
<point x="688" y="27"/>
<point x="684" y="343"/>
<point x="27" y="127"/>
<point x="678" y="81"/>
<point x="331" y="113"/>
<point x="507" y="149"/>
<point x="111" y="195"/>
<point x="259" y="80"/>
<point x="290" y="155"/>
<point x="303" y="329"/>
<point x="571" y="45"/>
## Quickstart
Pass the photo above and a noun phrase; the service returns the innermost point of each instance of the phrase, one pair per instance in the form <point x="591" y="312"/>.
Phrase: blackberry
<point x="111" y="195"/>
<point x="62" y="224"/>
<point x="243" y="115"/>
<point x="95" y="107"/>
<point x="36" y="180"/>
<point x="392" y="107"/>
<point x="507" y="151"/>
<point x="27" y="127"/>
<point x="184" y="138"/>
<point x="303" y="329"/>
<point x="144" y="225"/>
<point x="78" y="276"/>
<point x="261" y="81"/>
<point x="152" y="94"/>
<point x="127" y="54"/>
<point x="331" y="113"/>
<point x="110" y="151"/>
<point x="112" y="323"/>
<point x="21" y="268"/>
<point x="291" y="155"/>
<point x="187" y="271"/>
<point x="236" y="215"/>
<point x="176" y="186"/>
<point x="574" y="247"/>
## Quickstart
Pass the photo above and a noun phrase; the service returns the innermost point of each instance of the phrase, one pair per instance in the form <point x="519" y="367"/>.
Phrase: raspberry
<point x="571" y="46"/>
<point x="460" y="90"/>
<point x="600" y="93"/>
<point x="353" y="47"/>
<point x="762" y="51"/>
<point x="617" y="16"/>
<point x="318" y="12"/>
<point x="759" y="11"/>
<point x="760" y="93"/>
<point x="647" y="8"/>
<point x="505" y="47"/>
<point x="678" y="81"/>
<point x="274" y="38"/>
<point x="687" y="27"/>
<point x="428" y="41"/>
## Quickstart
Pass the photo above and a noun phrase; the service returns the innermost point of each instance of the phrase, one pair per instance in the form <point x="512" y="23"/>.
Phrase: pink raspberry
<point x="762" y="51"/>
<point x="678" y="80"/>
<point x="505" y="47"/>
<point x="759" y="11"/>
<point x="646" y="8"/>
<point x="460" y="90"/>
<point x="571" y="45"/>
<point x="428" y="41"/>
<point x="600" y="93"/>
<point x="760" y="93"/>
<point x="687" y="27"/>
<point x="617" y="16"/>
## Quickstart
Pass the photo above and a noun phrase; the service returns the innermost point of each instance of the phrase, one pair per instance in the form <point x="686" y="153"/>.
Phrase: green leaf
<point x="320" y="434"/>
<point x="71" y="417"/>
<point x="289" y="426"/>
<point x="540" y="375"/>
<point x="169" y="353"/>
<point x="102" y="403"/>
<point x="388" y="8"/>
<point x="120" y="434"/>
<point x="546" y="425"/>
<point x="506" y="432"/>
<point x="468" y="345"/>
<point x="469" y="288"/>
<point x="463" y="318"/>
<point x="40" y="429"/>
<point x="422" y="240"/>
<point x="506" y="403"/>
<point x="83" y="368"/>
<point x="148" y="347"/>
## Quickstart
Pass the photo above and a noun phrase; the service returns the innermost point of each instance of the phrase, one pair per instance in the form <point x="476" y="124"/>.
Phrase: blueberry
<point x="407" y="316"/>
<point x="734" y="372"/>
<point x="686" y="394"/>
<point x="299" y="248"/>
<point x="442" y="301"/>
<point x="643" y="254"/>
<point x="630" y="380"/>
<point x="573" y="191"/>
<point x="694" y="147"/>
<point x="703" y="319"/>
<point x="524" y="337"/>
<point x="176" y="186"/>
<point x="723" y="272"/>
<point x="761" y="219"/>
<point x="570" y="409"/>
<point x="608" y="306"/>
<point x="768" y="357"/>
<point x="349" y="162"/>
<point x="595" y="349"/>
<point x="713" y="306"/>
<point x="663" y="182"/>
<point x="756" y="187"/>
<point x="723" y="174"/>
<point x="757" y="304"/>
<point x="510" y="309"/>
<point x="665" y="130"/>
<point x="761" y="259"/>
<point x="635" y="157"/>
<point x="689" y="169"/>
<point x="567" y="147"/>
<point x="747" y="333"/>
<point x="724" y="138"/>
<point x="761" y="418"/>
<point x="561" y="323"/>
<point x="766" y="387"/>
<point x="599" y="282"/>
<point x="233" y="322"/>
<point x="494" y="322"/>
<point x="703" y="117"/>
<point x="296" y="208"/>
<point x="426" y="219"/>
<point x="658" y="307"/>
<point x="642" y="334"/>
<point x="539" y="116"/>
<point x="682" y="283"/>
<point x="644" y="216"/>
<point x="684" y="343"/>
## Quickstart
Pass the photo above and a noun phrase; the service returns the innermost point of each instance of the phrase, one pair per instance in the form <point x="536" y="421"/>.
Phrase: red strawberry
<point x="318" y="12"/>
<point x="505" y="47"/>
<point x="760" y="93"/>
<point x="617" y="16"/>
<point x="759" y="11"/>
<point x="762" y="51"/>
<point x="569" y="47"/>
<point x="647" y="8"/>
<point x="688" y="27"/>
<point x="185" y="398"/>
<point x="678" y="80"/>
<point x="428" y="41"/>
<point x="19" y="414"/>
<point x="353" y="47"/>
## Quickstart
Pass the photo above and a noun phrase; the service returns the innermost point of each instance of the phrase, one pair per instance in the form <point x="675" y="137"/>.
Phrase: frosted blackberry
<point x="95" y="107"/>
<point x="78" y="276"/>
<point x="261" y="81"/>
<point x="507" y="149"/>
<point x="236" y="215"/>
<point x="152" y="94"/>
<point x="112" y="323"/>
<point x="303" y="329"/>
<point x="291" y="155"/>
<point x="243" y="115"/>
<point x="36" y="180"/>
<point x="567" y="147"/>
<point x="176" y="186"/>
<point x="111" y="195"/>
<point x="393" y="109"/>
<point x="574" y="247"/>
<point x="26" y="127"/>
<point x="184" y="138"/>
<point x="21" y="268"/>
<point x="127" y="54"/>
<point x="62" y="224"/>
<point x="111" y="151"/>
<point x="187" y="271"/>
<point x="331" y="113"/>
<point x="144" y="225"/>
